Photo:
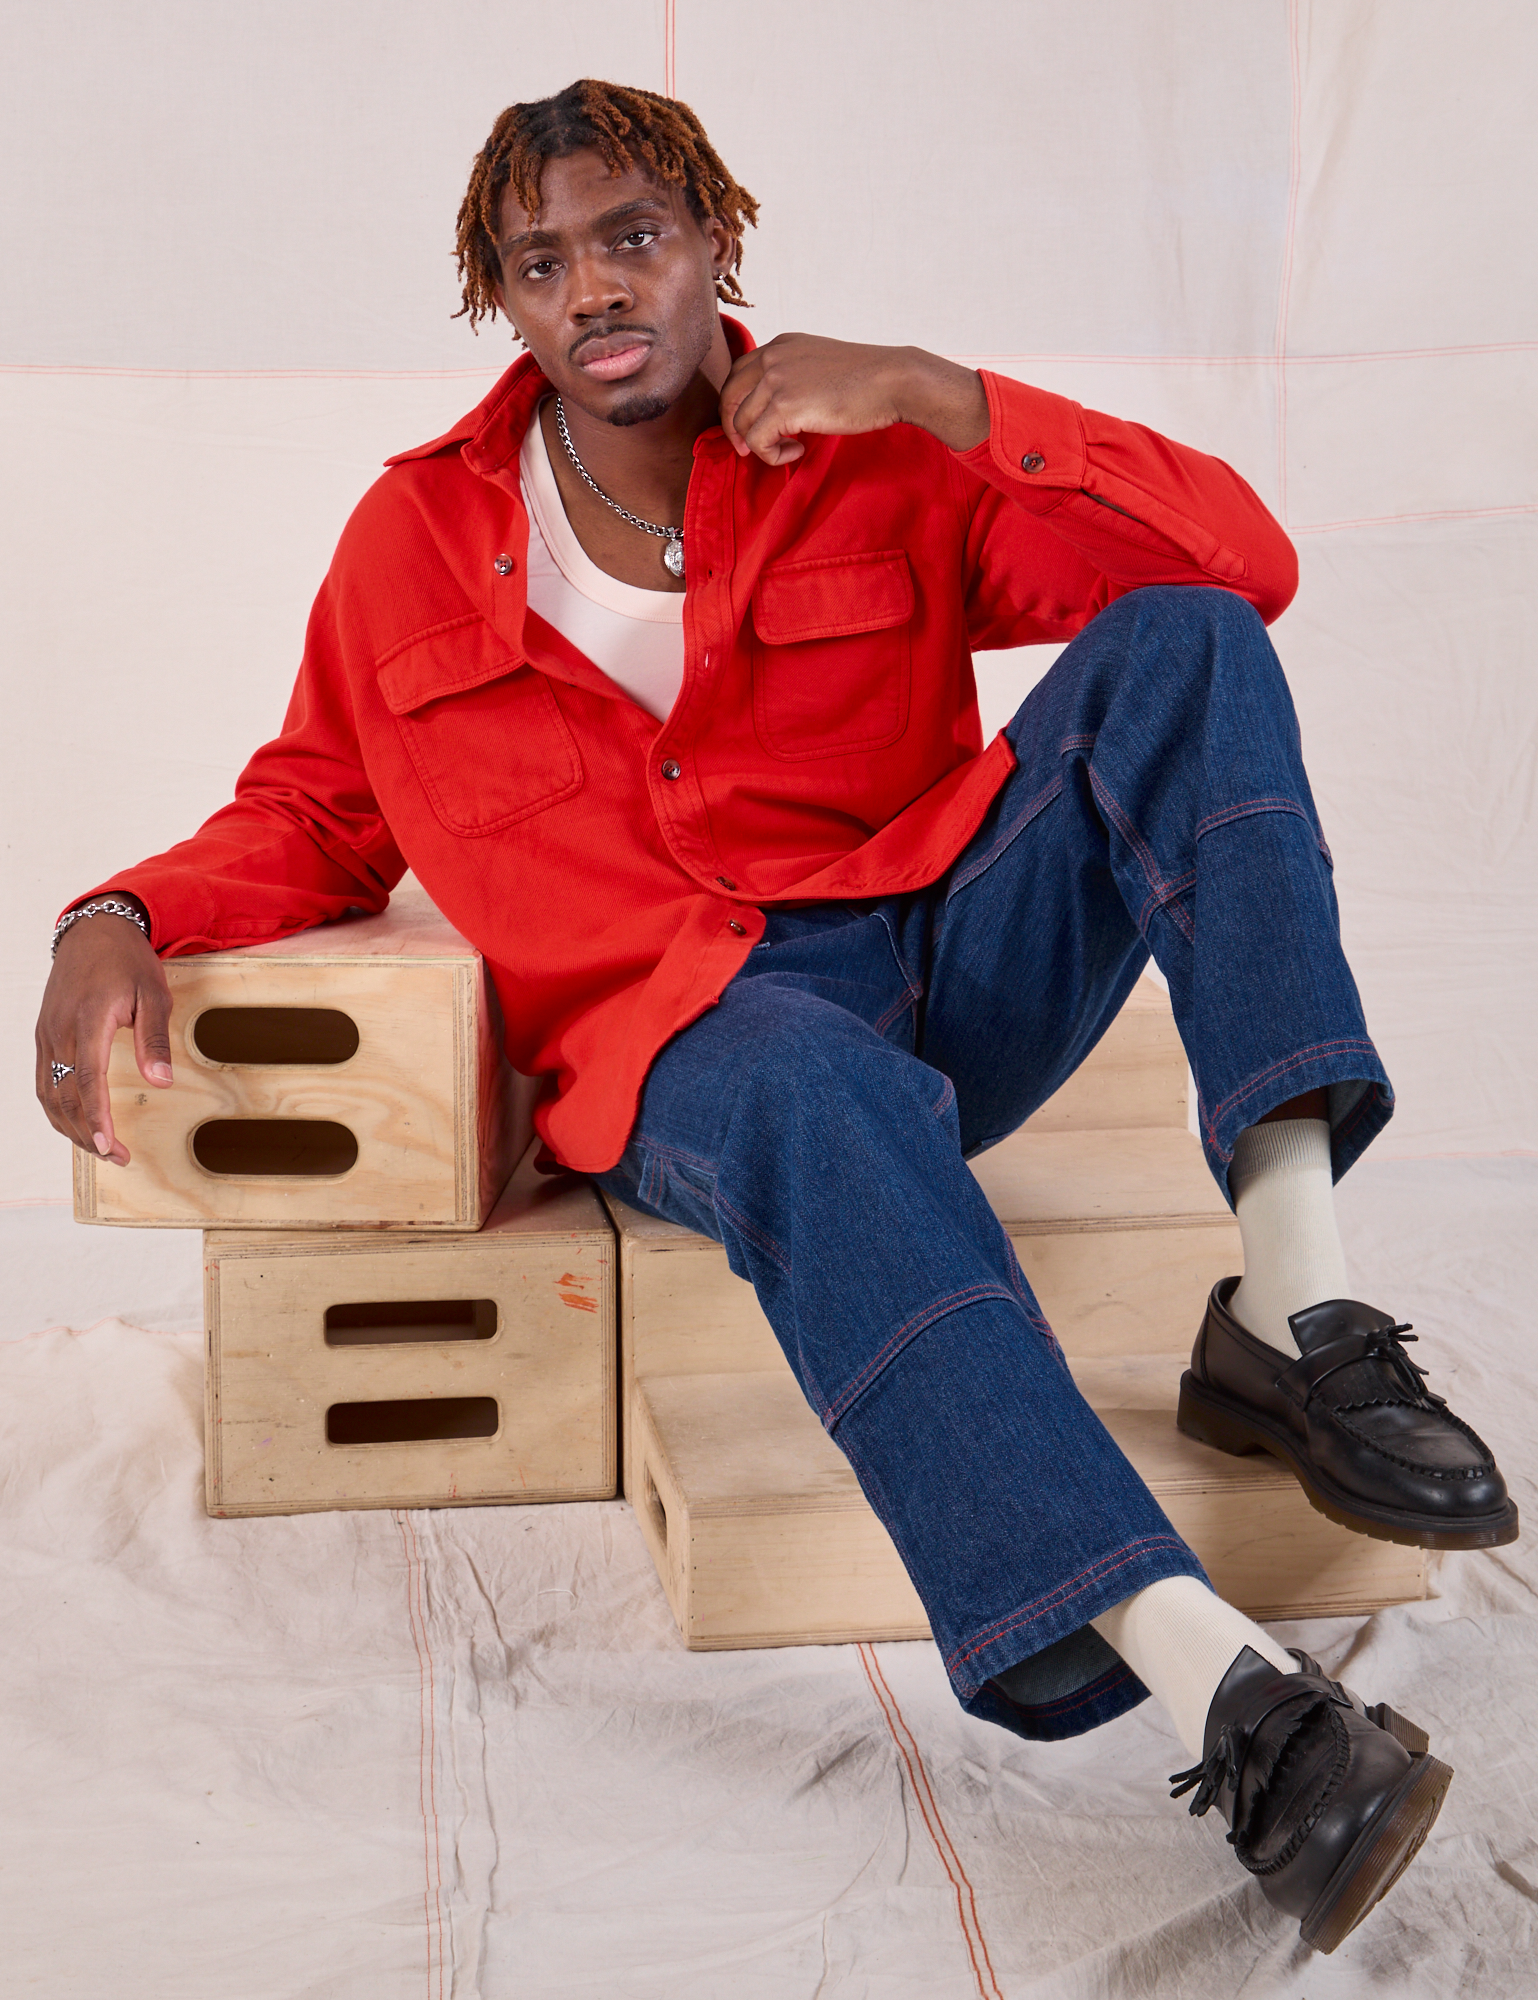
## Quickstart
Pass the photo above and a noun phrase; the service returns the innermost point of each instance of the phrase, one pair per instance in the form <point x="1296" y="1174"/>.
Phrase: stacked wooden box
<point x="752" y="1515"/>
<point x="395" y="1317"/>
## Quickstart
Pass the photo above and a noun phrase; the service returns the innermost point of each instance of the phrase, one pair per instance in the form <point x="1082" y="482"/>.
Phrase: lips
<point x="615" y="356"/>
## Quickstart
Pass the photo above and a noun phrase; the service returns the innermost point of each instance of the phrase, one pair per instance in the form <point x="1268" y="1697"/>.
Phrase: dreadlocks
<point x="627" y="128"/>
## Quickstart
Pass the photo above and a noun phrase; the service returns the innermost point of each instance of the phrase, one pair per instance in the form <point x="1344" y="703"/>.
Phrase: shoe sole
<point x="1210" y="1419"/>
<point x="1379" y="1856"/>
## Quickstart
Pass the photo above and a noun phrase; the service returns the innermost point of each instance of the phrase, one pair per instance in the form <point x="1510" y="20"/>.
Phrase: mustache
<point x="607" y="333"/>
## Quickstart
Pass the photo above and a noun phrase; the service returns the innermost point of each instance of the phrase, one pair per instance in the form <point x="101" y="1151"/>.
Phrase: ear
<point x="722" y="242"/>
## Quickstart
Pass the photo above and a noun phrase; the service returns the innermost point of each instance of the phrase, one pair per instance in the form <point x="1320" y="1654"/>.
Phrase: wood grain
<point x="545" y="1260"/>
<point x="438" y="1116"/>
<point x="762" y="1536"/>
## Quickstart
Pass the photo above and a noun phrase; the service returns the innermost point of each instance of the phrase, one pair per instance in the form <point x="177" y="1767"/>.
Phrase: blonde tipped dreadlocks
<point x="627" y="128"/>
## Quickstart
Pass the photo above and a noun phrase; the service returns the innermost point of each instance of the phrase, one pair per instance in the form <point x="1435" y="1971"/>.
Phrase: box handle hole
<point x="383" y="1322"/>
<point x="304" y="1147"/>
<point x="288" y="1036"/>
<point x="428" y="1420"/>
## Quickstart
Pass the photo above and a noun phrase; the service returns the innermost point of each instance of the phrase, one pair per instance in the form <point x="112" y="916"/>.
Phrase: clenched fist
<point x="799" y="383"/>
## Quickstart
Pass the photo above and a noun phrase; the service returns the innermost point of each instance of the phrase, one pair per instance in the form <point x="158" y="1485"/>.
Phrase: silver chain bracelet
<point x="108" y="906"/>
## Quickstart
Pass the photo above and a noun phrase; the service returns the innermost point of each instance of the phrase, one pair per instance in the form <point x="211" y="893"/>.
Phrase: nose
<point x="595" y="289"/>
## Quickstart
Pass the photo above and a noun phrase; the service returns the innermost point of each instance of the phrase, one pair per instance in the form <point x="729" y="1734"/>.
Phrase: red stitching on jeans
<point x="1075" y="1586"/>
<point x="898" y="1007"/>
<point x="1031" y="811"/>
<point x="1151" y="870"/>
<point x="1246" y="807"/>
<point x="677" y="1153"/>
<point x="1248" y="1089"/>
<point x="771" y="1249"/>
<point x="909" y="1330"/>
<point x="1249" y="807"/>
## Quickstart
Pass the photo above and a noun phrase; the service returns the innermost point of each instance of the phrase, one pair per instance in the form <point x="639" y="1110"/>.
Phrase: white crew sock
<point x="1180" y="1639"/>
<point x="1284" y="1198"/>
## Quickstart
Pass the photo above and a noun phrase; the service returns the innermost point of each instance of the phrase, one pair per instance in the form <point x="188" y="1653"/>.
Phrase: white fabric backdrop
<point x="1297" y="234"/>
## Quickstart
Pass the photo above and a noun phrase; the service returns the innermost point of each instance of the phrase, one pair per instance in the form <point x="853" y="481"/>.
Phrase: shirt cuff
<point x="1035" y="449"/>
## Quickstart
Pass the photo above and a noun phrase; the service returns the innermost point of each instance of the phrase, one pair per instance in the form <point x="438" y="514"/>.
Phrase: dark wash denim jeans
<point x="818" y="1119"/>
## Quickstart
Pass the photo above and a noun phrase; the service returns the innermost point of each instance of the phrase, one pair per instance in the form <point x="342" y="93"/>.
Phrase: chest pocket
<point x="831" y="654"/>
<point x="484" y="731"/>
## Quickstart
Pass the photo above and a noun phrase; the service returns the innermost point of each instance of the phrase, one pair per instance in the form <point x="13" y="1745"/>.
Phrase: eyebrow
<point x="541" y="238"/>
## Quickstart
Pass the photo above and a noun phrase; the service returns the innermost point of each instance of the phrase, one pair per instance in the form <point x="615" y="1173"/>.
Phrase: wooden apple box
<point x="414" y="1368"/>
<point x="352" y="1075"/>
<point x="756" y="1522"/>
<point x="762" y="1537"/>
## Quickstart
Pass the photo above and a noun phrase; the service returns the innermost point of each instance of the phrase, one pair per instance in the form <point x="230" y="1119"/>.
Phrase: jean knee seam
<point x="1254" y="808"/>
<point x="1164" y="892"/>
<point x="908" y="1332"/>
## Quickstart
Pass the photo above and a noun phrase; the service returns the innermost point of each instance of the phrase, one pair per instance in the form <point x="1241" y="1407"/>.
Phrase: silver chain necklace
<point x="673" y="554"/>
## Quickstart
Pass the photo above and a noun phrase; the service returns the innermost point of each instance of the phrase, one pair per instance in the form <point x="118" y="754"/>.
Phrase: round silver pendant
<point x="673" y="556"/>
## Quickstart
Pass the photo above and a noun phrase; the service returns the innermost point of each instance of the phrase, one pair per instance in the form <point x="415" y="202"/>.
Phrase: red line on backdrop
<point x="929" y="1808"/>
<point x="1398" y="520"/>
<point x="1284" y="289"/>
<point x="669" y="32"/>
<point x="489" y="371"/>
<point x="1252" y="360"/>
<point x="427" y="1756"/>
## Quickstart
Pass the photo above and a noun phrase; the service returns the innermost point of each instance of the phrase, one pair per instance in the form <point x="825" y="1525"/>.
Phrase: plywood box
<point x="352" y="1075"/>
<point x="414" y="1369"/>
<point x="762" y="1537"/>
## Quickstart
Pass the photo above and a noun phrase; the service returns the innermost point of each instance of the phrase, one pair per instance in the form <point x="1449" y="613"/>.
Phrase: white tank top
<point x="636" y="636"/>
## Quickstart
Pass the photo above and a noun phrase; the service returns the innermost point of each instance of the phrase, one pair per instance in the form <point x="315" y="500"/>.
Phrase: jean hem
<point x="1031" y="1627"/>
<point x="1349" y="1060"/>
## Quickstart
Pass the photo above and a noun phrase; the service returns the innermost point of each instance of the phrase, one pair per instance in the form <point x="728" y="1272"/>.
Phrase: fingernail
<point x="161" y="1072"/>
<point x="101" y="1143"/>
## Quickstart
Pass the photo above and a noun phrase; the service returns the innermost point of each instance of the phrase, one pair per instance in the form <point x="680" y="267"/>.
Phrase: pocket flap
<point x="833" y="596"/>
<point x="445" y="659"/>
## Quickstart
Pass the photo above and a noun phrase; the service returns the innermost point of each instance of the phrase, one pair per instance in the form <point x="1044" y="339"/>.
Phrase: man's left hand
<point x="800" y="383"/>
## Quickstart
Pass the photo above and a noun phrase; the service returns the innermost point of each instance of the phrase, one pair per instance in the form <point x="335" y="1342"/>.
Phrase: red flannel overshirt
<point x="825" y="742"/>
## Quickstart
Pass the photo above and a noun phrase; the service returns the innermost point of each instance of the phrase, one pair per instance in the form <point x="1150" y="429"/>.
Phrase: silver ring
<point x="60" y="1071"/>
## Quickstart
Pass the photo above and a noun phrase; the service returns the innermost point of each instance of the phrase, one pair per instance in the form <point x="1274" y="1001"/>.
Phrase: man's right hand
<point x="105" y="977"/>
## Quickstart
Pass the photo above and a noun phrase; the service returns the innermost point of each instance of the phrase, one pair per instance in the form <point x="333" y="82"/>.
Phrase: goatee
<point x="640" y="410"/>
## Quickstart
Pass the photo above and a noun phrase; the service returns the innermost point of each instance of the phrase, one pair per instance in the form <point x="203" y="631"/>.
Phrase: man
<point x="656" y="669"/>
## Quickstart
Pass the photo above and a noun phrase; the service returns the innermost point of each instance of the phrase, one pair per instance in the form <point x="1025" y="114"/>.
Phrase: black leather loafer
<point x="1326" y="1806"/>
<point x="1352" y="1420"/>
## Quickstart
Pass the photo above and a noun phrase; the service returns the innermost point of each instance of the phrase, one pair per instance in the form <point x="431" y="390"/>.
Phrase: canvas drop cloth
<point x="463" y="1754"/>
<point x="443" y="1755"/>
